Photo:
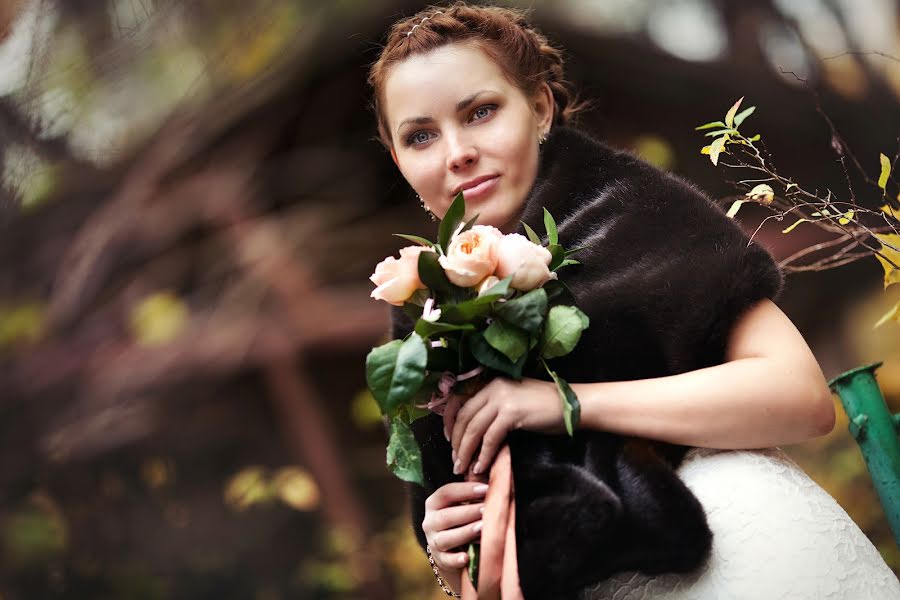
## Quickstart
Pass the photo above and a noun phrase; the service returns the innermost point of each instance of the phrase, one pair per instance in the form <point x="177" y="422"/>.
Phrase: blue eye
<point x="418" y="138"/>
<point x="483" y="112"/>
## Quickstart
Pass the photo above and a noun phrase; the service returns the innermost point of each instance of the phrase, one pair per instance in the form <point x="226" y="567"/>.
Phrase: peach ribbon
<point x="498" y="571"/>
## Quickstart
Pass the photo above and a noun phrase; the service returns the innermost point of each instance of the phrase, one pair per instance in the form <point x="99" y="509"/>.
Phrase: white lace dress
<point x="776" y="535"/>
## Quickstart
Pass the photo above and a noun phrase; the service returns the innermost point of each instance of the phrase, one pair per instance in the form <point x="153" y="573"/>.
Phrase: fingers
<point x="463" y="416"/>
<point x="450" y="410"/>
<point x="448" y="539"/>
<point x="490" y="444"/>
<point x="450" y="560"/>
<point x="449" y="524"/>
<point x="454" y="493"/>
<point x="473" y="434"/>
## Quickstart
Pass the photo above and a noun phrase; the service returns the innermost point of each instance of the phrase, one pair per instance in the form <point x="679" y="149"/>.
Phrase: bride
<point x="465" y="99"/>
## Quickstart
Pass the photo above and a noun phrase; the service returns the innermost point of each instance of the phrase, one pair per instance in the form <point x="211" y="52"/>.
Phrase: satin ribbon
<point x="498" y="570"/>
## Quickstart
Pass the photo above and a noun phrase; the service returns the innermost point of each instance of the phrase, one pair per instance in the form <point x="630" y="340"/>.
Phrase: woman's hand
<point x="449" y="523"/>
<point x="499" y="407"/>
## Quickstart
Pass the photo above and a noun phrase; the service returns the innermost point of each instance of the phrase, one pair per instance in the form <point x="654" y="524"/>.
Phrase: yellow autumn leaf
<point x="791" y="228"/>
<point x="247" y="487"/>
<point x="296" y="488"/>
<point x="158" y="318"/>
<point x="762" y="193"/>
<point x="891" y="273"/>
<point x="885" y="170"/>
<point x="23" y="323"/>
<point x="848" y="216"/>
<point x="886" y="209"/>
<point x="729" y="117"/>
<point x="894" y="314"/>
<point x="715" y="148"/>
<point x="734" y="208"/>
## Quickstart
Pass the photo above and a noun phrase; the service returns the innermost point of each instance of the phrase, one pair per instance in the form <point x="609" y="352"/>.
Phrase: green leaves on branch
<point x="571" y="405"/>
<point x="727" y="132"/>
<point x="508" y="339"/>
<point x="562" y="330"/>
<point x="526" y="311"/>
<point x="451" y="221"/>
<point x="395" y="371"/>
<point x="404" y="458"/>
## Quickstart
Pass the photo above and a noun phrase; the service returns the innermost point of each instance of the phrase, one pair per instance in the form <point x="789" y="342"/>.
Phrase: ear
<point x="543" y="106"/>
<point x="394" y="155"/>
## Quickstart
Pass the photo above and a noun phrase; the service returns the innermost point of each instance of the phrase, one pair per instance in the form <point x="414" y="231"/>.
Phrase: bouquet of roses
<point x="484" y="304"/>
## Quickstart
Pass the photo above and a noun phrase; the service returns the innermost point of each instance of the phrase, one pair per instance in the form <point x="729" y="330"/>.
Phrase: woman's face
<point x="457" y="123"/>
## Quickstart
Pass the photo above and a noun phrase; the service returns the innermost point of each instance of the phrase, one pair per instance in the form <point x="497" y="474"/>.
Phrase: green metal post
<point x="875" y="430"/>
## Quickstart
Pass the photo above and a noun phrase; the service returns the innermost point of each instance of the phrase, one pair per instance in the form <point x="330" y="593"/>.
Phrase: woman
<point x="465" y="99"/>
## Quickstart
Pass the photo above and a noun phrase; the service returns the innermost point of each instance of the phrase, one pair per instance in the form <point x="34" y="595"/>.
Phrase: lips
<point x="472" y="184"/>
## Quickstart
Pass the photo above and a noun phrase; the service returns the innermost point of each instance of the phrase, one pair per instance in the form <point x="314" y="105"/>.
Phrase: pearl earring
<point x="543" y="139"/>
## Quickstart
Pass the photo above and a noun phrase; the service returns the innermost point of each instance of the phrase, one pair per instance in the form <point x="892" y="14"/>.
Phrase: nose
<point x="461" y="153"/>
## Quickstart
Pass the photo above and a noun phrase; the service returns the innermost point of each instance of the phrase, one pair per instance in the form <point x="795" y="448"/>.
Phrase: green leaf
<point x="571" y="405"/>
<point x="492" y="358"/>
<point x="562" y="331"/>
<point x="558" y="293"/>
<point x="710" y="125"/>
<point x="567" y="262"/>
<point x="715" y="149"/>
<point x="574" y="250"/>
<point x="558" y="254"/>
<point x="719" y="132"/>
<point x="755" y="138"/>
<point x="432" y="275"/>
<point x="734" y="208"/>
<point x="550" y="226"/>
<point x="404" y="458"/>
<point x="451" y="220"/>
<point x="414" y="238"/>
<point x="464" y="312"/>
<point x="739" y="118"/>
<point x="508" y="339"/>
<point x="426" y="329"/>
<point x="885" y="171"/>
<point x="395" y="371"/>
<point x="535" y="239"/>
<point x="729" y="117"/>
<point x="527" y="311"/>
<point x="469" y="224"/>
<point x="495" y="292"/>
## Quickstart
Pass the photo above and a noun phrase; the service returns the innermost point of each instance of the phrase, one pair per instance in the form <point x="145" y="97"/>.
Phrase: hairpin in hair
<point x="438" y="12"/>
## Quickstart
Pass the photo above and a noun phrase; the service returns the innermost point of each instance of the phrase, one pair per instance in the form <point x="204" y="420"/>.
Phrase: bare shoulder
<point x="763" y="330"/>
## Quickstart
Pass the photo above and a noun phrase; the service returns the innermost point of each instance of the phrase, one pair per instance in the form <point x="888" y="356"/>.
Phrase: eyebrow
<point x="460" y="106"/>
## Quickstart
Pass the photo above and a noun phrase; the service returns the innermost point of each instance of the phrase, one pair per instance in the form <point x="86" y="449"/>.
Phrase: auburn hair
<point x="504" y="34"/>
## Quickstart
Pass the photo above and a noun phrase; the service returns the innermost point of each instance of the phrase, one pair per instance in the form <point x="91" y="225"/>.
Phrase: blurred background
<point x="193" y="199"/>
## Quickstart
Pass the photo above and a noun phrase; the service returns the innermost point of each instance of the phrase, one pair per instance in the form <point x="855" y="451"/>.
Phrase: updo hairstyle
<point x="522" y="53"/>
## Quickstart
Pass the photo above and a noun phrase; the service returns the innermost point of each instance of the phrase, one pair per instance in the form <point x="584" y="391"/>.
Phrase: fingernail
<point x="480" y="489"/>
<point x="463" y="559"/>
<point x="453" y="454"/>
<point x="456" y="468"/>
<point x="477" y="468"/>
<point x="477" y="527"/>
<point x="446" y="435"/>
<point x="481" y="510"/>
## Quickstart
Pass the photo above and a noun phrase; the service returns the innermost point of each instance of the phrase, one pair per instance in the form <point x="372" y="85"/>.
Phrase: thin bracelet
<point x="440" y="579"/>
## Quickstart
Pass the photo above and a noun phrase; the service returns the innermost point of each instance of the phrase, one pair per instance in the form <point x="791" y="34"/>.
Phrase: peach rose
<point x="526" y="261"/>
<point x="397" y="280"/>
<point x="472" y="255"/>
